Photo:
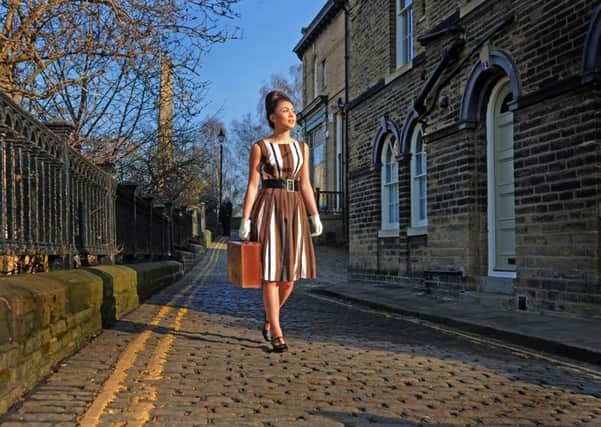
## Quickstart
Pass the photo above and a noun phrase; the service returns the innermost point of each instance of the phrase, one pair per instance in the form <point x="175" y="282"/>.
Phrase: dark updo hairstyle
<point x="272" y="100"/>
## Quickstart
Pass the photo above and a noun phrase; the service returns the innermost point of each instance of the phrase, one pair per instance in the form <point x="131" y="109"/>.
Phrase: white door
<point x="501" y="209"/>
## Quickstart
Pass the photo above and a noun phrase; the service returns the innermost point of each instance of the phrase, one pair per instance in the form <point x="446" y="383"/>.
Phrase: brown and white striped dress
<point x="279" y="218"/>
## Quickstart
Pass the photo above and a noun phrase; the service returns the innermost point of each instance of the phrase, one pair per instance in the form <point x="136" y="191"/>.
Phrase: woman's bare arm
<point x="305" y="185"/>
<point x="254" y="175"/>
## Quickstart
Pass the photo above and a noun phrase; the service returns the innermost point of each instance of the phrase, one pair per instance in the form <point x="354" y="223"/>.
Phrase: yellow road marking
<point x="139" y="413"/>
<point x="113" y="384"/>
<point x="157" y="363"/>
<point x="127" y="359"/>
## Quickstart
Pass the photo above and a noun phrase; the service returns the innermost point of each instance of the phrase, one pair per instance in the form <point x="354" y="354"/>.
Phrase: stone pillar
<point x="64" y="131"/>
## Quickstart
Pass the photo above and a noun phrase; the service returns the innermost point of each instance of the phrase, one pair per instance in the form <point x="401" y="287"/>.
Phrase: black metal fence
<point x="57" y="204"/>
<point x="53" y="201"/>
<point x="146" y="230"/>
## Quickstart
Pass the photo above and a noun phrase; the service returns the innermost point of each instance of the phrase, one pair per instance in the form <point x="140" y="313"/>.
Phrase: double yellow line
<point x="139" y="411"/>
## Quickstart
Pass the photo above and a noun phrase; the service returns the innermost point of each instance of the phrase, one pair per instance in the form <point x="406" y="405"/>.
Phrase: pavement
<point x="558" y="334"/>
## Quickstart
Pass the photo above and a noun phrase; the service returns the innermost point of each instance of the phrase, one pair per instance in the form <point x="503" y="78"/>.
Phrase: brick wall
<point x="556" y="151"/>
<point x="557" y="158"/>
<point x="369" y="18"/>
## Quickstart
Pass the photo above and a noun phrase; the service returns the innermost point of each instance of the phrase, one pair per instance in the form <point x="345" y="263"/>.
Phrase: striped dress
<point x="279" y="218"/>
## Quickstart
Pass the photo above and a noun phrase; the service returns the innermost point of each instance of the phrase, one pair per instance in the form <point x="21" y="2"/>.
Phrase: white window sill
<point x="417" y="231"/>
<point x="469" y="6"/>
<point x="505" y="274"/>
<point x="398" y="72"/>
<point x="389" y="232"/>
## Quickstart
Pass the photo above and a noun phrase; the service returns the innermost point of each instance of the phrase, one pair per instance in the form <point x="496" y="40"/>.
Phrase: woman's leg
<point x="271" y="301"/>
<point x="284" y="289"/>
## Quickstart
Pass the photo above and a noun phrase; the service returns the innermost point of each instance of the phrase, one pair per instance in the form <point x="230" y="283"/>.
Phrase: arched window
<point x="419" y="181"/>
<point x="390" y="186"/>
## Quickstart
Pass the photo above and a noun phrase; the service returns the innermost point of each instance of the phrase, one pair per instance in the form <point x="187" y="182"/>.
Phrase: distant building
<point x="321" y="49"/>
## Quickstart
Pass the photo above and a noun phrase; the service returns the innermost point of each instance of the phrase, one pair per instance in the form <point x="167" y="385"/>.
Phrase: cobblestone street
<point x="194" y="355"/>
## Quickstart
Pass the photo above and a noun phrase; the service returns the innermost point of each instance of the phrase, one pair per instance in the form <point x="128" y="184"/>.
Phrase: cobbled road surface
<point x="194" y="355"/>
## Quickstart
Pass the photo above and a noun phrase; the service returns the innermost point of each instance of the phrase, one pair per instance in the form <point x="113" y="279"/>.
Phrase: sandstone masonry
<point x="507" y="97"/>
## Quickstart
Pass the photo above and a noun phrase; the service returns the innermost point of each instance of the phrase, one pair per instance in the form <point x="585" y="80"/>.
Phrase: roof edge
<point x="317" y="25"/>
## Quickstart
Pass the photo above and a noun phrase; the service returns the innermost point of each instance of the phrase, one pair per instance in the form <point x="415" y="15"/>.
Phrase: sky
<point x="237" y="69"/>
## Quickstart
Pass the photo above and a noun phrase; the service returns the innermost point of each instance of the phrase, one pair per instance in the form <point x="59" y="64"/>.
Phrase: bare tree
<point x="291" y="85"/>
<point x="193" y="175"/>
<point x="243" y="134"/>
<point x="96" y="63"/>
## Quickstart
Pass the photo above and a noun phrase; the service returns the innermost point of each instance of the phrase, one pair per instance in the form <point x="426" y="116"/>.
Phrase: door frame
<point x="490" y="165"/>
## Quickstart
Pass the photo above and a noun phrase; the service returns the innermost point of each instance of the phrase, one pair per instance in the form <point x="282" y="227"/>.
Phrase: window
<point x="419" y="184"/>
<point x="390" y="186"/>
<point x="404" y="32"/>
<point x="315" y="79"/>
<point x="324" y="76"/>
<point x="318" y="159"/>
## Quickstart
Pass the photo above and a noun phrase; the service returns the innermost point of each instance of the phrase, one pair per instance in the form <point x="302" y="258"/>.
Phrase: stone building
<point x="474" y="148"/>
<point x="321" y="49"/>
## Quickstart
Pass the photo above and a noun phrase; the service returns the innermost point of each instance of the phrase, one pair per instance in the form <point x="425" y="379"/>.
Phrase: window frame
<point x="416" y="198"/>
<point x="388" y="186"/>
<point x="315" y="78"/>
<point x="404" y="52"/>
<point x="318" y="142"/>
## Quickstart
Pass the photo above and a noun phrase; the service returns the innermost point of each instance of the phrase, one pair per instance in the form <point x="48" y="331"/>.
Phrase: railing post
<point x="63" y="230"/>
<point x="10" y="193"/>
<point x="27" y="208"/>
<point x="148" y="199"/>
<point x="19" y="217"/>
<point x="203" y="216"/>
<point x="169" y="209"/>
<point x="3" y="214"/>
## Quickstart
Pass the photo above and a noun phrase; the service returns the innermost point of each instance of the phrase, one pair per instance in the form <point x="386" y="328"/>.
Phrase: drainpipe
<point x="345" y="151"/>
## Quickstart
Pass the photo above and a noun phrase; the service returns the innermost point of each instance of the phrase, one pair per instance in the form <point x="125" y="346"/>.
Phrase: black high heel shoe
<point x="266" y="332"/>
<point x="279" y="346"/>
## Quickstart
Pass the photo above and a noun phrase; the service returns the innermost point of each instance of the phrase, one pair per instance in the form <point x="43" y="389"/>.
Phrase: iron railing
<point x="330" y="202"/>
<point x="55" y="203"/>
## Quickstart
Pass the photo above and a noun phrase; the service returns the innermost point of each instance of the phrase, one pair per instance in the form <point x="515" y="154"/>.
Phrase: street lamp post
<point x="221" y="138"/>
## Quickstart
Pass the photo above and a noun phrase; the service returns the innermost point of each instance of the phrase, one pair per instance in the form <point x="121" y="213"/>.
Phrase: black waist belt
<point x="286" y="184"/>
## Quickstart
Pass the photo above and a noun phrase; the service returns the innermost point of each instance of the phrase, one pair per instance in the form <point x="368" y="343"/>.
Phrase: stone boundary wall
<point x="47" y="317"/>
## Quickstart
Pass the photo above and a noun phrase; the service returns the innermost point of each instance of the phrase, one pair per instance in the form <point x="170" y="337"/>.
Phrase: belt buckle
<point x="290" y="185"/>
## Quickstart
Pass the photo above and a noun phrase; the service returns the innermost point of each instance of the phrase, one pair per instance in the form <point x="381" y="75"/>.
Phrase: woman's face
<point x="284" y="117"/>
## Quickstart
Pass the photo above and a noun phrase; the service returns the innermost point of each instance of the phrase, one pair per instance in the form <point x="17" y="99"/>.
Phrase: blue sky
<point x="238" y="68"/>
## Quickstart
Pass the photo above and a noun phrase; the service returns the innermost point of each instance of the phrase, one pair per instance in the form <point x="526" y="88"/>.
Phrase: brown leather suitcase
<point x="244" y="264"/>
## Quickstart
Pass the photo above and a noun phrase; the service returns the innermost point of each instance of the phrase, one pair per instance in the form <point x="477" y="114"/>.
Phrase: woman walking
<point x="276" y="216"/>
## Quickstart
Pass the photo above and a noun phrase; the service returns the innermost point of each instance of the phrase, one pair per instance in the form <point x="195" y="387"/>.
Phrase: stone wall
<point x="46" y="317"/>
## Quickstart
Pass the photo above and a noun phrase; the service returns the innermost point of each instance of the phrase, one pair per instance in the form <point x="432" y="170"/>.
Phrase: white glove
<point x="317" y="226"/>
<point x="244" y="230"/>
